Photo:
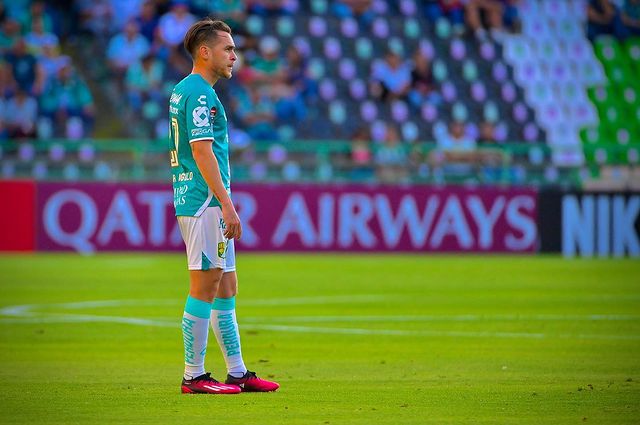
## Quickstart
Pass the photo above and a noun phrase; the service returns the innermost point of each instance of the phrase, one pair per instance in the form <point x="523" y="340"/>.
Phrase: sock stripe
<point x="224" y="303"/>
<point x="198" y="308"/>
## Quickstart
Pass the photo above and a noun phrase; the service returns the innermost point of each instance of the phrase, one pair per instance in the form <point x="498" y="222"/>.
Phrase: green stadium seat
<point x="364" y="48"/>
<point x="255" y="25"/>
<point x="286" y="27"/>
<point x="319" y="7"/>
<point x="412" y="28"/>
<point x="608" y="50"/>
<point x="470" y="70"/>
<point x="443" y="28"/>
<point x="440" y="72"/>
<point x="595" y="135"/>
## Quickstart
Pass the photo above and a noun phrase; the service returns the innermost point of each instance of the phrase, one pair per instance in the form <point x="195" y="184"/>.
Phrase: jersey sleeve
<point x="198" y="114"/>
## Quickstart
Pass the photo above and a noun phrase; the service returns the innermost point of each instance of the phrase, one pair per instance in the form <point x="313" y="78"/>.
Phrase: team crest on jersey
<point x="214" y="112"/>
<point x="222" y="249"/>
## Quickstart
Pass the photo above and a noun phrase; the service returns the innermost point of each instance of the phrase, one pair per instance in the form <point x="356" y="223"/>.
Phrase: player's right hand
<point x="233" y="229"/>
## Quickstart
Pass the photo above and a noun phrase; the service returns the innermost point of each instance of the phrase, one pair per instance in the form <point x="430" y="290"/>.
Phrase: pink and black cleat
<point x="251" y="383"/>
<point x="205" y="384"/>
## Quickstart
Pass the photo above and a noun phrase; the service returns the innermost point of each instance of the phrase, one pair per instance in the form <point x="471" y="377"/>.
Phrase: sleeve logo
<point x="200" y="116"/>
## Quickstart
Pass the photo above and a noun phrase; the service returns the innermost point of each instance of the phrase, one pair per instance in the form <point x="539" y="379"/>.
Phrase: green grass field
<point x="370" y="340"/>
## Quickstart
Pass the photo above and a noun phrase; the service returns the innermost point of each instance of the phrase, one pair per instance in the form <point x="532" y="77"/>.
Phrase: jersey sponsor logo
<point x="202" y="99"/>
<point x="200" y="116"/>
<point x="199" y="131"/>
<point x="214" y="112"/>
<point x="175" y="98"/>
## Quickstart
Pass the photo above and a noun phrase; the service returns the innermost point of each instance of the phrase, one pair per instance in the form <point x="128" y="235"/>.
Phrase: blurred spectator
<point x="38" y="13"/>
<point x="126" y="10"/>
<point x="452" y="9"/>
<point x="391" y="158"/>
<point x="24" y="69"/>
<point x="144" y="82"/>
<point x="292" y="87"/>
<point x="487" y="134"/>
<point x="4" y="134"/>
<point x="254" y="108"/>
<point x="95" y="16"/>
<point x="51" y="62"/>
<point x="174" y="24"/>
<point x="358" y="9"/>
<point x="361" y="157"/>
<point x="233" y="12"/>
<point x="496" y="13"/>
<point x="9" y="34"/>
<point x="37" y="38"/>
<point x="630" y="15"/>
<point x="271" y="7"/>
<point x="268" y="65"/>
<point x="296" y="74"/>
<point x="148" y="21"/>
<point x="603" y="18"/>
<point x="126" y="48"/>
<point x="456" y="139"/>
<point x="423" y="88"/>
<point x="68" y="97"/>
<point x="391" y="77"/>
<point x="21" y="115"/>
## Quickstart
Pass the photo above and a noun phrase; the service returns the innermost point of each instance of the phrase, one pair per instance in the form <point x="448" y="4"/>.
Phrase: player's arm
<point x="208" y="166"/>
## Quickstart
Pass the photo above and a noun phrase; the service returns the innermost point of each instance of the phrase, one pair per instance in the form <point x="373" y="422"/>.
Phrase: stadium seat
<point x="317" y="26"/>
<point x="412" y="28"/>
<point x="327" y="89"/>
<point x="469" y="70"/>
<point x="459" y="112"/>
<point x="357" y="89"/>
<point x="380" y="27"/>
<point x="410" y="132"/>
<point x="429" y="112"/>
<point x="449" y="92"/>
<point x="443" y="28"/>
<point x="440" y="72"/>
<point x="499" y="72"/>
<point x="457" y="49"/>
<point x="478" y="91"/>
<point x="520" y="112"/>
<point x="286" y="27"/>
<point x="368" y="111"/>
<point x="349" y="27"/>
<point x="364" y="48"/>
<point x="319" y="7"/>
<point x="332" y="48"/>
<point x="399" y="111"/>
<point x="254" y="25"/>
<point x="508" y="92"/>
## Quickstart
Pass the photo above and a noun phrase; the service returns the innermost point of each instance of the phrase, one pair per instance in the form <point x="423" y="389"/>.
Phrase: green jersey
<point x="196" y="114"/>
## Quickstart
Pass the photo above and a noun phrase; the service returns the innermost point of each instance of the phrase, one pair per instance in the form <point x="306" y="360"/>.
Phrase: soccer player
<point x="206" y="216"/>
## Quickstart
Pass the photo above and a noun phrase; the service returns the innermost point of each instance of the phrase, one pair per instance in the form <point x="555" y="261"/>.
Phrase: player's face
<point x="222" y="55"/>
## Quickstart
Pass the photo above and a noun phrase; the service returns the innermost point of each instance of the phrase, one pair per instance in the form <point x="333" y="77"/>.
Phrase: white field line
<point x="28" y="314"/>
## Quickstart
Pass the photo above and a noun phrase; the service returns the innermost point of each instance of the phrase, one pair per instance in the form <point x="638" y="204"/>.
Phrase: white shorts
<point x="206" y="245"/>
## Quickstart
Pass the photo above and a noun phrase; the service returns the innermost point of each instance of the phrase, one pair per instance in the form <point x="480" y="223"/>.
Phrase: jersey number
<point x="174" y="152"/>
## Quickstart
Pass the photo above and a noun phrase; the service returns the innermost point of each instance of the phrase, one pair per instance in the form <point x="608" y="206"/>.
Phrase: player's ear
<point x="204" y="51"/>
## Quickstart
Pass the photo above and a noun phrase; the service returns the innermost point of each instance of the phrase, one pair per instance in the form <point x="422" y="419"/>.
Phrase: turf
<point x="370" y="340"/>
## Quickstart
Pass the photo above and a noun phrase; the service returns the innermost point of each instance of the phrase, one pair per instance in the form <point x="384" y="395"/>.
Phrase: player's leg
<point x="205" y="276"/>
<point x="225" y="327"/>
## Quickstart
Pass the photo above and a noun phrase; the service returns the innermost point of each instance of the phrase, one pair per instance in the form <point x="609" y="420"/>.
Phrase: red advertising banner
<point x="17" y="215"/>
<point x="112" y="217"/>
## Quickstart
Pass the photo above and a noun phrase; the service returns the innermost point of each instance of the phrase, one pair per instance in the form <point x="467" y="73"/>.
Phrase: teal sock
<point x="225" y="327"/>
<point x="195" y="332"/>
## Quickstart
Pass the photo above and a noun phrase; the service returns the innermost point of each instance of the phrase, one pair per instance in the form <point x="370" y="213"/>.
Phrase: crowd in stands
<point x="43" y="94"/>
<point x="620" y="18"/>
